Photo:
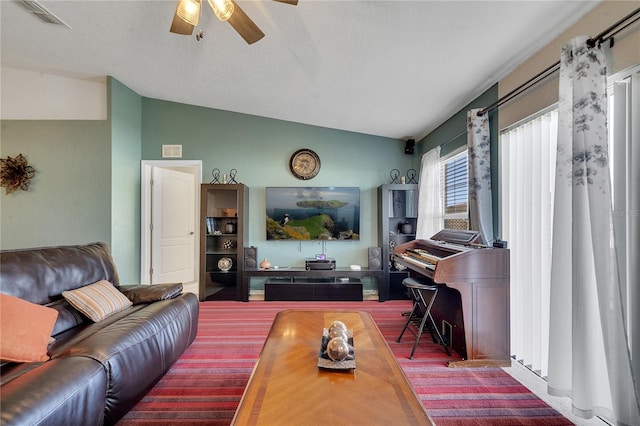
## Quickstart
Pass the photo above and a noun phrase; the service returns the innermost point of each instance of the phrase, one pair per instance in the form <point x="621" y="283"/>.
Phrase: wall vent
<point x="42" y="13"/>
<point x="171" y="151"/>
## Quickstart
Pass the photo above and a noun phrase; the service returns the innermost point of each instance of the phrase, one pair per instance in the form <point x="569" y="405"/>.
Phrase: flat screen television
<point x="313" y="213"/>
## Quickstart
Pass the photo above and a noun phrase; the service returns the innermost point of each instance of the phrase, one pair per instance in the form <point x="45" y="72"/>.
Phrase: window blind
<point x="527" y="155"/>
<point x="455" y="191"/>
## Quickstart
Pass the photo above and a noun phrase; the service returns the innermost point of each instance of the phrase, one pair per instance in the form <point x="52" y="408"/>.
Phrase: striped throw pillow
<point x="98" y="300"/>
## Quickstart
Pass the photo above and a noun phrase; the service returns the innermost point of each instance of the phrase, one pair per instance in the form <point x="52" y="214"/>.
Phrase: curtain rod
<point x="607" y="34"/>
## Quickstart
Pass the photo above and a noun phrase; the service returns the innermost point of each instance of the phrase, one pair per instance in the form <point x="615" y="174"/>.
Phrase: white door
<point x="172" y="226"/>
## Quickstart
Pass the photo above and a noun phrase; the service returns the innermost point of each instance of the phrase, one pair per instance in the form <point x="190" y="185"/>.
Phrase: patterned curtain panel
<point x="480" y="208"/>
<point x="588" y="350"/>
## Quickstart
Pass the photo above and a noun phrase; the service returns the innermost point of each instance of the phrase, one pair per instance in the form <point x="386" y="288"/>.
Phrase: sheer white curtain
<point x="480" y="204"/>
<point x="527" y="154"/>
<point x="589" y="357"/>
<point x="430" y="212"/>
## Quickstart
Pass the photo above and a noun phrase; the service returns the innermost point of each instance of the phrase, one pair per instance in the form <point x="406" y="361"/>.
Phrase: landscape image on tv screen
<point x="313" y="213"/>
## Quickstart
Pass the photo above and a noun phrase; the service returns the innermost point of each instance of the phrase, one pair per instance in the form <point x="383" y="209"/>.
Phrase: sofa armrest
<point x="151" y="293"/>
<point x="64" y="391"/>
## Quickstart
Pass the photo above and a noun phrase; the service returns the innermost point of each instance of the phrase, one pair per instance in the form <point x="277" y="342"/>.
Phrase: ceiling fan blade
<point x="179" y="26"/>
<point x="241" y="22"/>
<point x="291" y="2"/>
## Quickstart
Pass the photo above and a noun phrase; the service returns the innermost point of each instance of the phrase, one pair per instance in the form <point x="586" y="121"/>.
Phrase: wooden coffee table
<point x="287" y="387"/>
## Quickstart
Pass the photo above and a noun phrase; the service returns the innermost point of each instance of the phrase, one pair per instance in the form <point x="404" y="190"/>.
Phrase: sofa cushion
<point x="25" y="329"/>
<point x="40" y="275"/>
<point x="98" y="300"/>
<point x="151" y="293"/>
<point x="68" y="316"/>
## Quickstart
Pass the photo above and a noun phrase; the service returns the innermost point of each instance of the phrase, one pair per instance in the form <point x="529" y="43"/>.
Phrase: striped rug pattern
<point x="205" y="385"/>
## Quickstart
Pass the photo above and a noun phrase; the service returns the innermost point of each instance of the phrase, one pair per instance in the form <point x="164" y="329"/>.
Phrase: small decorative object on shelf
<point x="216" y="176"/>
<point x="230" y="212"/>
<point x="394" y="174"/>
<point x="232" y="176"/>
<point x="15" y="173"/>
<point x="406" y="228"/>
<point x="265" y="264"/>
<point x="412" y="176"/>
<point x="224" y="180"/>
<point x="227" y="244"/>
<point x="230" y="228"/>
<point x="225" y="264"/>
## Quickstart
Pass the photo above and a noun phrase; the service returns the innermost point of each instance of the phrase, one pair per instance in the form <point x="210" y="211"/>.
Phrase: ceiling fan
<point x="188" y="14"/>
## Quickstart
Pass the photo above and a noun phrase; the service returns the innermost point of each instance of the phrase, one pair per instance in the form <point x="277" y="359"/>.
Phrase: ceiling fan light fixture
<point x="222" y="8"/>
<point x="189" y="11"/>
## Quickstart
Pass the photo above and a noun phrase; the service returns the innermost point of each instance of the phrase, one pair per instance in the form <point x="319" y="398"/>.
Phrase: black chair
<point x="421" y="312"/>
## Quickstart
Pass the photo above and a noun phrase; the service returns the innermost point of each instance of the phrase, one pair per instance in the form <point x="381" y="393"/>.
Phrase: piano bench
<point x="421" y="312"/>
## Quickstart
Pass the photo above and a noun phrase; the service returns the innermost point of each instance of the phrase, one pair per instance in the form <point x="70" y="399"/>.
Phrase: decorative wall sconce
<point x="15" y="173"/>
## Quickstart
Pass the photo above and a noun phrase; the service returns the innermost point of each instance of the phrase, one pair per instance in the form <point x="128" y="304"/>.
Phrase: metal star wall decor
<point x="15" y="173"/>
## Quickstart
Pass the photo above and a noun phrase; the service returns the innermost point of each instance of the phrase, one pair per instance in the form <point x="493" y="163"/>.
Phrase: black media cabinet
<point x="303" y="288"/>
<point x="295" y="283"/>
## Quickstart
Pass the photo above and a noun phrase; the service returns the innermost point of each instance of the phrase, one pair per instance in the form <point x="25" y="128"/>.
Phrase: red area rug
<point x="205" y="385"/>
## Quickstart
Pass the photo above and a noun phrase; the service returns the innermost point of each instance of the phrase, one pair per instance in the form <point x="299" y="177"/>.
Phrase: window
<point x="455" y="191"/>
<point x="624" y="161"/>
<point x="527" y="166"/>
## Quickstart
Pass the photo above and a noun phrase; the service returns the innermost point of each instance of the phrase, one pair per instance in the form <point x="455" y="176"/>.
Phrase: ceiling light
<point x="222" y="8"/>
<point x="189" y="11"/>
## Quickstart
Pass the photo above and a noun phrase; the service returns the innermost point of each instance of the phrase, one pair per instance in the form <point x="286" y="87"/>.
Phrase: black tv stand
<point x="340" y="284"/>
<point x="319" y="289"/>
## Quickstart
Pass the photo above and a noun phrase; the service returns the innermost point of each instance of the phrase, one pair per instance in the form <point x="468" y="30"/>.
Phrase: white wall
<point x="28" y="95"/>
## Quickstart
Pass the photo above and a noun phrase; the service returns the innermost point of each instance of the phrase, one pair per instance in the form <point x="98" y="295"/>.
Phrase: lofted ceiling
<point x="395" y="69"/>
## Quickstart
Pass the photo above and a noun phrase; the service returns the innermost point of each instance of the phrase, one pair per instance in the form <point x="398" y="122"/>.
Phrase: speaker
<point x="375" y="258"/>
<point x="251" y="257"/>
<point x="408" y="146"/>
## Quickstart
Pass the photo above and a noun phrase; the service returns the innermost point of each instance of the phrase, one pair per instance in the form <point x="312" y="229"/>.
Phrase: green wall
<point x="69" y="201"/>
<point x="87" y="186"/>
<point x="259" y="149"/>
<point x="88" y="182"/>
<point x="125" y="112"/>
<point x="449" y="132"/>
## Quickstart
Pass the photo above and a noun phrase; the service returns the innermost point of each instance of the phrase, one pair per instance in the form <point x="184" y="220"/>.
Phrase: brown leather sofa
<point x="97" y="371"/>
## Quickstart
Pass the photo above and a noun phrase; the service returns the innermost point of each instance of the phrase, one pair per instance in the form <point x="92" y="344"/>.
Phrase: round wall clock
<point x="304" y="164"/>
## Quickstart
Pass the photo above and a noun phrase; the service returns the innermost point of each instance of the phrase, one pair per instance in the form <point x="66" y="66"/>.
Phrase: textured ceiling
<point x="389" y="68"/>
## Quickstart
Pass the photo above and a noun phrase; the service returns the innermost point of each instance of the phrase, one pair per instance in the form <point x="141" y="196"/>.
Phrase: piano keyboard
<point x="419" y="262"/>
<point x="422" y="254"/>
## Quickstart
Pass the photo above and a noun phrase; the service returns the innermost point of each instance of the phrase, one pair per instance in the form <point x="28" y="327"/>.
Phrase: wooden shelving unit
<point x="397" y="220"/>
<point x="223" y="217"/>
